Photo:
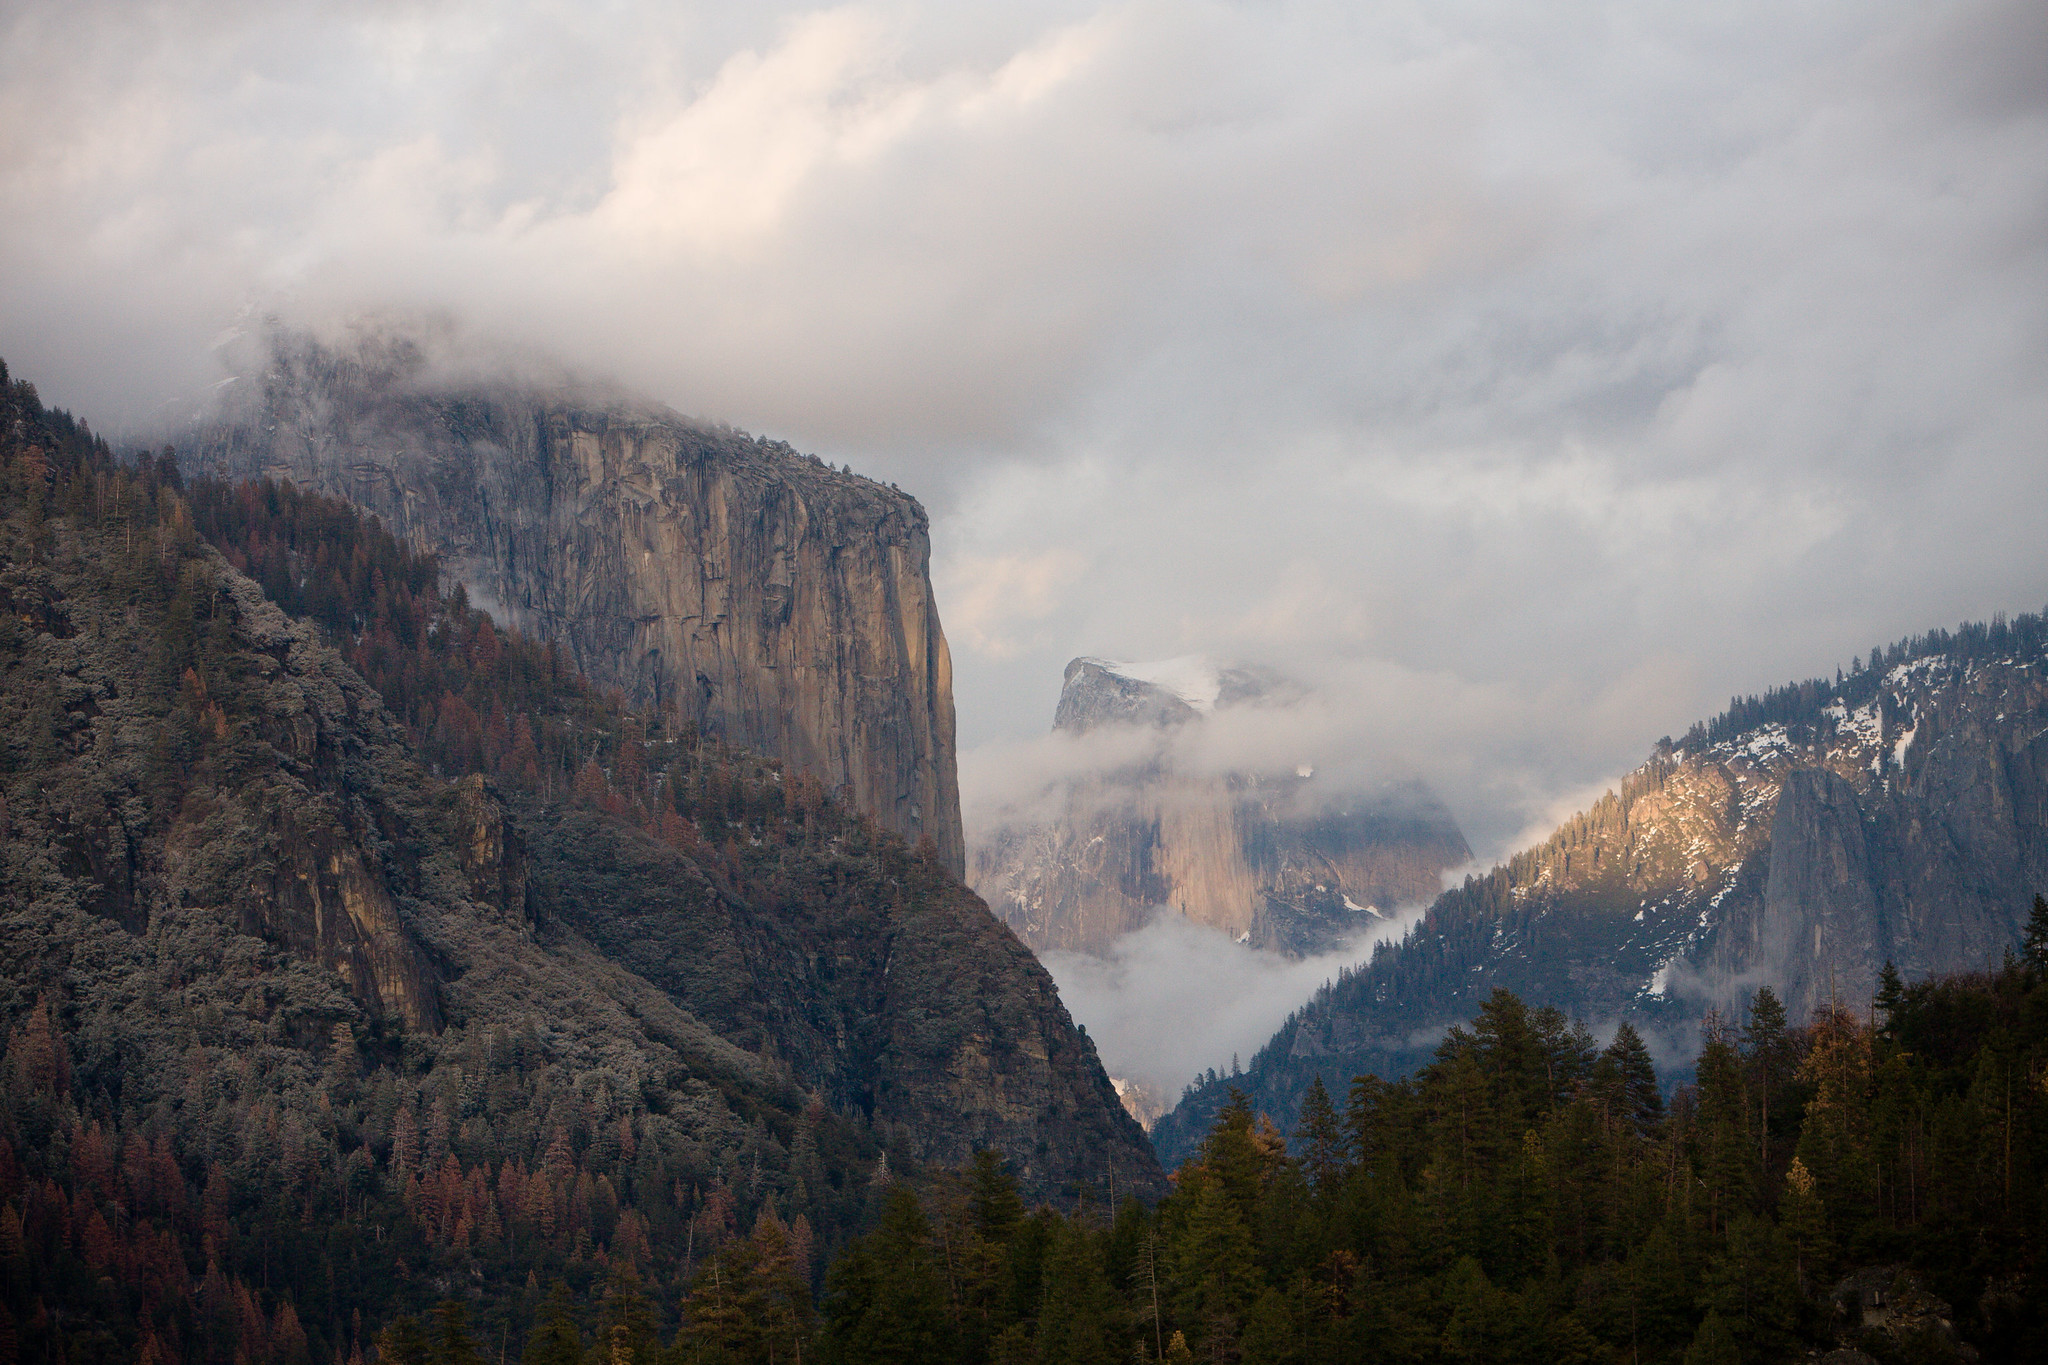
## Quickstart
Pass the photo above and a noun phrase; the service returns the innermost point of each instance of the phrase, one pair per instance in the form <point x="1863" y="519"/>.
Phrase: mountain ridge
<point x="1799" y="840"/>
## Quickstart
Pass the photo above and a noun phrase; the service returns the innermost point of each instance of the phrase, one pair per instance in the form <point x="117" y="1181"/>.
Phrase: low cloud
<point x="1177" y="998"/>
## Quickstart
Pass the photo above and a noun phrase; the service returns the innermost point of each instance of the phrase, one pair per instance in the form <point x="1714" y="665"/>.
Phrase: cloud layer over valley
<point x="1175" y="997"/>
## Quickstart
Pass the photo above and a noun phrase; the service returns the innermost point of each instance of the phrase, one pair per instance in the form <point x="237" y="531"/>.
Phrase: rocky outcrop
<point x="281" y="805"/>
<point x="1900" y="814"/>
<point x="1918" y="836"/>
<point x="1270" y="859"/>
<point x="782" y="604"/>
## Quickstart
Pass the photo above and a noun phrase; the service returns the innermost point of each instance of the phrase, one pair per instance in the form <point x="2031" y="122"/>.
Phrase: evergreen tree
<point x="452" y="1344"/>
<point x="885" y="1301"/>
<point x="1727" y="1156"/>
<point x="1627" y="1079"/>
<point x="1805" y="1224"/>
<point x="554" y="1339"/>
<point x="2035" y="943"/>
<point x="626" y="1327"/>
<point x="1768" y="1048"/>
<point x="1075" y="1323"/>
<point x="1713" y="1344"/>
<point x="1321" y="1140"/>
<point x="993" y="1197"/>
<point x="1751" y="1286"/>
<point x="1215" y="1266"/>
<point x="403" y="1343"/>
<point x="1891" y="991"/>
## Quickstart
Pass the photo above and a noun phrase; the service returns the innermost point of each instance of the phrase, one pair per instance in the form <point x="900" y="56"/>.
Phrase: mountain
<point x="358" y="954"/>
<point x="774" y="601"/>
<point x="1271" y="858"/>
<point x="1799" y="841"/>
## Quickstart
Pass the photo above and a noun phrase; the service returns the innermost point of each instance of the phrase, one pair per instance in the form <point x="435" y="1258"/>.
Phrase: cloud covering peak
<point x="1526" y="380"/>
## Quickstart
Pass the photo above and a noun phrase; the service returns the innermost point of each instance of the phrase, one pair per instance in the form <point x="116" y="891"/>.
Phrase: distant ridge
<point x="1800" y="839"/>
<point x="1275" y="857"/>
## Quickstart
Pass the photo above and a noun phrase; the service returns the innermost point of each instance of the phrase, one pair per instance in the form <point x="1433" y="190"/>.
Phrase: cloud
<point x="1176" y="998"/>
<point x="989" y="597"/>
<point x="1527" y="382"/>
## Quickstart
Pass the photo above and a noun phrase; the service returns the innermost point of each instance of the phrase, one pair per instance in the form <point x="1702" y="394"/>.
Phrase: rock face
<point x="310" y="854"/>
<point x="1799" y="842"/>
<point x="1265" y="858"/>
<point x="782" y="604"/>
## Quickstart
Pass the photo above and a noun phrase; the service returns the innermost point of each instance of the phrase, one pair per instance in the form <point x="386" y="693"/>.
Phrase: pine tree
<point x="452" y="1342"/>
<point x="1215" y="1266"/>
<point x="1074" y="1324"/>
<point x="554" y="1339"/>
<point x="1805" y="1224"/>
<point x="1320" y="1139"/>
<point x="1627" y="1079"/>
<point x="1750" y="1284"/>
<point x="1726" y="1154"/>
<point x="1768" y="1048"/>
<point x="2035" y="944"/>
<point x="403" y="1343"/>
<point x="885" y="1300"/>
<point x="1714" y="1344"/>
<point x="1891" y="992"/>
<point x="626" y="1323"/>
<point x="993" y="1198"/>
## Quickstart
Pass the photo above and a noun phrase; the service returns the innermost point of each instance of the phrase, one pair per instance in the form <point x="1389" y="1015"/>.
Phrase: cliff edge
<point x="781" y="604"/>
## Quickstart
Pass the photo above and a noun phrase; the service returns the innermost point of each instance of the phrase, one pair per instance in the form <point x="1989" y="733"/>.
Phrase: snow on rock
<point x="1194" y="678"/>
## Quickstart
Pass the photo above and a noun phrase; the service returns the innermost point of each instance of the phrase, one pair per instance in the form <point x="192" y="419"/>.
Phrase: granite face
<point x="783" y="605"/>
<point x="314" y="870"/>
<point x="1269" y="859"/>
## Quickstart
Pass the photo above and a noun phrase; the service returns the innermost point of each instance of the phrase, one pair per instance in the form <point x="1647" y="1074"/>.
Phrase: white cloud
<point x="989" y="597"/>
<point x="1527" y="380"/>
<point x="1176" y="998"/>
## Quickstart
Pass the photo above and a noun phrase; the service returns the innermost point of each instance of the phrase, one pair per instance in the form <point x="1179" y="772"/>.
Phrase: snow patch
<point x="1191" y="677"/>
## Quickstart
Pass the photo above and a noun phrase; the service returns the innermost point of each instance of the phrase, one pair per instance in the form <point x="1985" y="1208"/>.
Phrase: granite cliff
<point x="1269" y="858"/>
<point x="1800" y="841"/>
<point x="468" y="1027"/>
<point x="776" y="601"/>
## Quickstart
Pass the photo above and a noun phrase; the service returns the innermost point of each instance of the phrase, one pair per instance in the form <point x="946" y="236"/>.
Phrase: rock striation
<point x="1268" y="858"/>
<point x="782" y="604"/>
<point x="1799" y="842"/>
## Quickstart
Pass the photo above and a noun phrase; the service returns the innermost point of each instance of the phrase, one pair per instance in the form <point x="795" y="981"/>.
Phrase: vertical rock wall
<point x="1268" y="859"/>
<point x="784" y="605"/>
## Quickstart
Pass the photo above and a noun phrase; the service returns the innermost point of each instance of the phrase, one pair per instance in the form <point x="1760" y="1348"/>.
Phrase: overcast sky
<point x="1529" y="377"/>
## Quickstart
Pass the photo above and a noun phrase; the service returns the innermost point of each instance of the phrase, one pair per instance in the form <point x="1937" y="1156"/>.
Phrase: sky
<point x="1527" y="379"/>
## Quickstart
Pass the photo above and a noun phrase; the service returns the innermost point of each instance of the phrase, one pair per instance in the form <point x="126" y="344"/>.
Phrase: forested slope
<point x="361" y="957"/>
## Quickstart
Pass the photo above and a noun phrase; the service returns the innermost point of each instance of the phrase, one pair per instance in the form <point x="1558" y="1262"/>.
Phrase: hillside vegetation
<point x="1877" y="1186"/>
<point x="355" y="955"/>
